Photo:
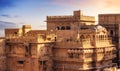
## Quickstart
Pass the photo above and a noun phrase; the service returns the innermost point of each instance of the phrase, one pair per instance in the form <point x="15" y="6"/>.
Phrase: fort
<point x="70" y="43"/>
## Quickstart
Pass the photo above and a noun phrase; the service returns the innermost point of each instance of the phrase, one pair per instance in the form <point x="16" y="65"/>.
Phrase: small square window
<point x="15" y="33"/>
<point x="20" y="62"/>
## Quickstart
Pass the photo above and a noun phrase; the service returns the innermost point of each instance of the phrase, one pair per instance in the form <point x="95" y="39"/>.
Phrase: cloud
<point x="5" y="15"/>
<point x="72" y="2"/>
<point x="114" y="4"/>
<point x="4" y="24"/>
<point x="9" y="16"/>
<point x="75" y="2"/>
<point x="16" y="16"/>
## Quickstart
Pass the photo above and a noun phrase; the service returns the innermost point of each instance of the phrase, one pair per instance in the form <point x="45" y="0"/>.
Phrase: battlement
<point x="59" y="18"/>
<point x="27" y="26"/>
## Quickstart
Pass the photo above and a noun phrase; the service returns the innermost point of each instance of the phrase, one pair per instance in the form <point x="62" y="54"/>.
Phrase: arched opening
<point x="111" y="32"/>
<point x="106" y="37"/>
<point x="68" y="28"/>
<point x="57" y="28"/>
<point x="55" y="38"/>
<point x="100" y="37"/>
<point x="88" y="38"/>
<point x="82" y="38"/>
<point x="15" y="33"/>
<point x="62" y="28"/>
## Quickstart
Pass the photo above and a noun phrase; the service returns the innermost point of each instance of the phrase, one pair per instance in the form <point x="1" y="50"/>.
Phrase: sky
<point x="15" y="13"/>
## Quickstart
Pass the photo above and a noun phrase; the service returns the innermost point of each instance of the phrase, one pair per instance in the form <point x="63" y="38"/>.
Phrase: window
<point x="70" y="55"/>
<point x="55" y="39"/>
<point x="83" y="28"/>
<point x="88" y="55"/>
<point x="68" y="28"/>
<point x="82" y="37"/>
<point x="111" y="32"/>
<point x="42" y="62"/>
<point x="57" y="28"/>
<point x="20" y="62"/>
<point x="10" y="49"/>
<point x="100" y="37"/>
<point x="27" y="50"/>
<point x="15" y="33"/>
<point x="62" y="28"/>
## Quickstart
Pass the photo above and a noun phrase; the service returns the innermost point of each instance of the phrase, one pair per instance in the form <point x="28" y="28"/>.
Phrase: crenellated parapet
<point x="60" y="18"/>
<point x="69" y="22"/>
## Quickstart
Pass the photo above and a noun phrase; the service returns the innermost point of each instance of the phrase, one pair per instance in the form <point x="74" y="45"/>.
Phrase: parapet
<point x="27" y="26"/>
<point x="77" y="13"/>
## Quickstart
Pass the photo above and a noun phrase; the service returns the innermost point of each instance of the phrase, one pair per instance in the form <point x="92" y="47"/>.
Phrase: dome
<point x="100" y="28"/>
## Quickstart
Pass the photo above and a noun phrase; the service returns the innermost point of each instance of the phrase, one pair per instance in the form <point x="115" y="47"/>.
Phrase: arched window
<point x="100" y="37"/>
<point x="68" y="28"/>
<point x="55" y="38"/>
<point x="62" y="28"/>
<point x="105" y="37"/>
<point x="87" y="37"/>
<point x="82" y="37"/>
<point x="111" y="32"/>
<point x="15" y="33"/>
<point x="57" y="28"/>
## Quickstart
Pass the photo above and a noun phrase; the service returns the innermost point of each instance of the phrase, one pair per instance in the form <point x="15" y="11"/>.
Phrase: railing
<point x="81" y="67"/>
<point x="84" y="59"/>
<point x="69" y="45"/>
<point x="70" y="16"/>
<point x="68" y="59"/>
<point x="109" y="57"/>
<point x="42" y="58"/>
<point x="89" y="18"/>
<point x="17" y="54"/>
<point x="21" y="39"/>
<point x="30" y="39"/>
<point x="67" y="66"/>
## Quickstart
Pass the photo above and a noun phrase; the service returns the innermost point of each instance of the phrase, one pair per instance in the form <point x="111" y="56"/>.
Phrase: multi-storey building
<point x="112" y="23"/>
<point x="37" y="50"/>
<point x="28" y="50"/>
<point x="69" y="22"/>
<point x="66" y="45"/>
<point x="2" y="54"/>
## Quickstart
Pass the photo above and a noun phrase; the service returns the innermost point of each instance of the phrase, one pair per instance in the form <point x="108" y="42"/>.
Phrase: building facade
<point x="67" y="45"/>
<point x="2" y="54"/>
<point x="72" y="22"/>
<point x="28" y="50"/>
<point x="112" y="23"/>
